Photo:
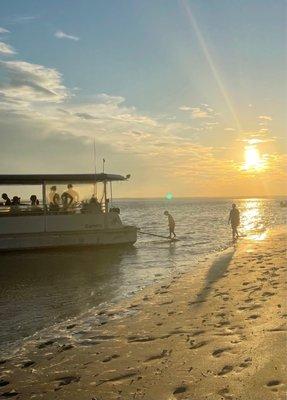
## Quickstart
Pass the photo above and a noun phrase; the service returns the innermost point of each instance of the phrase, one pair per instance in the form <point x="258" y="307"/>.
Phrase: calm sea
<point x="40" y="291"/>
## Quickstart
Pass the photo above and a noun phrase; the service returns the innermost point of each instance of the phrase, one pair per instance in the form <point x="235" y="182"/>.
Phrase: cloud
<point x="63" y="35"/>
<point x="265" y="117"/>
<point x="108" y="99"/>
<point x="229" y="129"/>
<point x="6" y="49"/>
<point x="185" y="108"/>
<point x="202" y="111"/>
<point x="22" y="19"/>
<point x="26" y="82"/>
<point x="3" y="30"/>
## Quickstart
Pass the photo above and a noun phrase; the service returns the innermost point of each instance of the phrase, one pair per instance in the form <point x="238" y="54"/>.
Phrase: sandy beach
<point x="216" y="333"/>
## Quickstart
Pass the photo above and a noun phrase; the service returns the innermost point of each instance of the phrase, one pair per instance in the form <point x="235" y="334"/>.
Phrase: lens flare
<point x="169" y="196"/>
<point x="253" y="161"/>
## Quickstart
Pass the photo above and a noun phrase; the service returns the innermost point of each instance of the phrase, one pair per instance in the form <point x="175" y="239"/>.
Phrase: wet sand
<point x="216" y="333"/>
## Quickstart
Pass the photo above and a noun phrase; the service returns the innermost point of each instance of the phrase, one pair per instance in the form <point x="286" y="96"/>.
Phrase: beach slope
<point x="218" y="332"/>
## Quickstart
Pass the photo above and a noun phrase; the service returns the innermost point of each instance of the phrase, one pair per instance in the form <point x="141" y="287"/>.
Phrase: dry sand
<point x="219" y="333"/>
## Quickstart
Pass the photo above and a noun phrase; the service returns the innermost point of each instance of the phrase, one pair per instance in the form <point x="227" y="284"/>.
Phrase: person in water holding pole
<point x="171" y="224"/>
<point x="234" y="220"/>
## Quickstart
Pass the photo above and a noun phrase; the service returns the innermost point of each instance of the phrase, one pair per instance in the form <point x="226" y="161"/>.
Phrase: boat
<point x="44" y="224"/>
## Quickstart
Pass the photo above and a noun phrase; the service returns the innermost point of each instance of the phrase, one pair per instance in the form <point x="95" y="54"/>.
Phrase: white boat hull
<point x="124" y="235"/>
<point x="23" y="232"/>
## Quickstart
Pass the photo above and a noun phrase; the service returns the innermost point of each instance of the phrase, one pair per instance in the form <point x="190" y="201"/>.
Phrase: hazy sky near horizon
<point x="188" y="96"/>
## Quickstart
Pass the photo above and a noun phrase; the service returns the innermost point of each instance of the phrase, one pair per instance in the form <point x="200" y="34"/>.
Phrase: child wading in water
<point x="171" y="224"/>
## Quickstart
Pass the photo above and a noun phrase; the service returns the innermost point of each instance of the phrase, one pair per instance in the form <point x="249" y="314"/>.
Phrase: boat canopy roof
<point x="41" y="179"/>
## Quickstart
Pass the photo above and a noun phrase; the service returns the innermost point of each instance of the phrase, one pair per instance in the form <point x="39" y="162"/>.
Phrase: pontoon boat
<point x="43" y="224"/>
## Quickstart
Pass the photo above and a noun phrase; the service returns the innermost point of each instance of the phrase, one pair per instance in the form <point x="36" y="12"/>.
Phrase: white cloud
<point x="202" y="111"/>
<point x="184" y="108"/>
<point x="3" y="30"/>
<point x="6" y="49"/>
<point x="199" y="112"/>
<point x="229" y="129"/>
<point x="26" y="82"/>
<point x="21" y="19"/>
<point x="63" y="35"/>
<point x="265" y="117"/>
<point x="108" y="99"/>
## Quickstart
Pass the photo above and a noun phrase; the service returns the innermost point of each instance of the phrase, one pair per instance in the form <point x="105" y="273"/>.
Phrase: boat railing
<point x="25" y="210"/>
<point x="78" y="208"/>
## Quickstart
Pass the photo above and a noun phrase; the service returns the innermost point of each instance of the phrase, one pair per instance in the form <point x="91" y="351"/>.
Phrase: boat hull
<point x="45" y="240"/>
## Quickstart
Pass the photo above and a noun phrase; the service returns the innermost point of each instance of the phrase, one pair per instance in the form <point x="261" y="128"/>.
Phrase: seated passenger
<point x="15" y="201"/>
<point x="72" y="192"/>
<point x="15" y="209"/>
<point x="95" y="205"/>
<point x="54" y="199"/>
<point x="34" y="200"/>
<point x="7" y="201"/>
<point x="67" y="200"/>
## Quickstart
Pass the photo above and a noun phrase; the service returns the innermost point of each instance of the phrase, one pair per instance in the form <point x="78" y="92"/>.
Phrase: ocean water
<point x="41" y="292"/>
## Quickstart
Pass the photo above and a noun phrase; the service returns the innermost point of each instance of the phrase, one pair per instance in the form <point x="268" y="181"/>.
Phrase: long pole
<point x="44" y="205"/>
<point x="153" y="234"/>
<point x="95" y="167"/>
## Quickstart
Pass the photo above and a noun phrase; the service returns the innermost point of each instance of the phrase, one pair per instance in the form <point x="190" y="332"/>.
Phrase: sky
<point x="187" y="96"/>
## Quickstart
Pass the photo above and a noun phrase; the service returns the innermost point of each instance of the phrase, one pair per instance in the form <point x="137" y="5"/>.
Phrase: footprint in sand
<point x="254" y="316"/>
<point x="219" y="352"/>
<point x="225" y="394"/>
<point x="66" y="380"/>
<point x="246" y="363"/>
<point x="27" y="364"/>
<point x="222" y="323"/>
<point x="268" y="294"/>
<point x="196" y="333"/>
<point x="225" y="370"/>
<point x="10" y="394"/>
<point x="3" y="382"/>
<point x="110" y="358"/>
<point x="194" y="345"/>
<point x="179" y="391"/>
<point x="273" y="383"/>
<point x="158" y="356"/>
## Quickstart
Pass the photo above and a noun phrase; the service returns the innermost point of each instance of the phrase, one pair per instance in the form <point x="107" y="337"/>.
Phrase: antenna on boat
<point x="104" y="165"/>
<point x="95" y="168"/>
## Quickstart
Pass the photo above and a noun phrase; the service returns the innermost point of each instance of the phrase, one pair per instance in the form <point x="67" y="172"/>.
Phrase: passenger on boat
<point x="67" y="200"/>
<point x="34" y="201"/>
<point x="7" y="201"/>
<point x="95" y="205"/>
<point x="72" y="192"/>
<point x="15" y="209"/>
<point x="54" y="199"/>
<point x="15" y="201"/>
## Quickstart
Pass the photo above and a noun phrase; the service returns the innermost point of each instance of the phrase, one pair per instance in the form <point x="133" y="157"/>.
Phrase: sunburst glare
<point x="253" y="159"/>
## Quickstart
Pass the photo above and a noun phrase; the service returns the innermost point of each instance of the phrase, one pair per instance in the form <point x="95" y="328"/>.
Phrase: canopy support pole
<point x="44" y="205"/>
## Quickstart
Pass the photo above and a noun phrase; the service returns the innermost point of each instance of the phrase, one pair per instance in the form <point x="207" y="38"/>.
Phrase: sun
<point x="253" y="160"/>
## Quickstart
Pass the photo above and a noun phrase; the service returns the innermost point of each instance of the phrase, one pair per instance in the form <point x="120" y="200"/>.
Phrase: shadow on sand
<point x="215" y="272"/>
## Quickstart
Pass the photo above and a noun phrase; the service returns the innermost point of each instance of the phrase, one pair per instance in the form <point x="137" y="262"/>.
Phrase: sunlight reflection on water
<point x="252" y="215"/>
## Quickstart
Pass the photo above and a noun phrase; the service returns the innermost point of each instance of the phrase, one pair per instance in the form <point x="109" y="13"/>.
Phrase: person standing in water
<point x="234" y="220"/>
<point x="171" y="224"/>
